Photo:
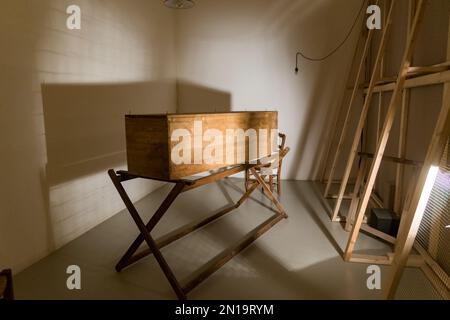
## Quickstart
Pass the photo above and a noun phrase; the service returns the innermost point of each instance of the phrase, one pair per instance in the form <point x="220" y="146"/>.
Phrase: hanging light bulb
<point x="179" y="4"/>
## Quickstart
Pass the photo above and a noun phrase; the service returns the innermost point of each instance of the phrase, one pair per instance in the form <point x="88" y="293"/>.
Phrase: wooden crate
<point x="150" y="142"/>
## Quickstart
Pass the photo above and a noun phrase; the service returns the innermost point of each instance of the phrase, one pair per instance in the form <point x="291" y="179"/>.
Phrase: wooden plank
<point x="176" y="235"/>
<point x="401" y="150"/>
<point x="415" y="206"/>
<point x="335" y="196"/>
<point x="389" y="120"/>
<point x="370" y="259"/>
<point x="416" y="77"/>
<point x="364" y="111"/>
<point x="355" y="196"/>
<point x="429" y="69"/>
<point x="173" y="194"/>
<point x="220" y="174"/>
<point x="334" y="130"/>
<point x="146" y="235"/>
<point x="436" y="282"/>
<point x="380" y="94"/>
<point x="228" y="254"/>
<point x="187" y="229"/>
<point x="421" y="81"/>
<point x="400" y="170"/>
<point x="434" y="266"/>
<point x="378" y="233"/>
<point x="376" y="200"/>
<point x="346" y="123"/>
<point x="393" y="159"/>
<point x="413" y="261"/>
<point x="269" y="193"/>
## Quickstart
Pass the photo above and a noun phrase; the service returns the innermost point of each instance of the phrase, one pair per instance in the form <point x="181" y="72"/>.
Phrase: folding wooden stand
<point x="181" y="186"/>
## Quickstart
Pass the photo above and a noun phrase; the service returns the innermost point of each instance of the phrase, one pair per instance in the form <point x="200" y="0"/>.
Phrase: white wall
<point x="63" y="95"/>
<point x="244" y="51"/>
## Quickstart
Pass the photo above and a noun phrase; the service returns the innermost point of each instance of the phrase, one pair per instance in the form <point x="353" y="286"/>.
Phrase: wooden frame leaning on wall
<point x="408" y="77"/>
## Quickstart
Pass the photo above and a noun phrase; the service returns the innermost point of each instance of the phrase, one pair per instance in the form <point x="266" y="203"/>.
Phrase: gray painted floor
<point x="299" y="258"/>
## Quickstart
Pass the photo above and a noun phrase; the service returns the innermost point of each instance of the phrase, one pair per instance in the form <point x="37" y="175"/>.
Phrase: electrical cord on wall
<point x="299" y="53"/>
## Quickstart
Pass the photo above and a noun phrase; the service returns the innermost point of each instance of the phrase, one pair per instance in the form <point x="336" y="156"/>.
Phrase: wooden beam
<point x="175" y="235"/>
<point x="378" y="233"/>
<point x="228" y="254"/>
<point x="429" y="69"/>
<point x="346" y="123"/>
<point x="401" y="151"/>
<point x="421" y="81"/>
<point x="402" y="139"/>
<point x="364" y="111"/>
<point x="434" y="266"/>
<point x="362" y="36"/>
<point x="393" y="159"/>
<point x="335" y="196"/>
<point x="389" y="120"/>
<point x="413" y="261"/>
<point x="436" y="282"/>
<point x="355" y="196"/>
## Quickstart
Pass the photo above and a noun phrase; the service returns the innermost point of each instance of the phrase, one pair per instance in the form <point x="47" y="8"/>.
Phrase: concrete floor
<point x="299" y="258"/>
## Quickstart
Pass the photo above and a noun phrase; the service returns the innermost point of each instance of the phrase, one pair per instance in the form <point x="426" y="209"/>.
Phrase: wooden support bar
<point x="436" y="282"/>
<point x="185" y="230"/>
<point x="393" y="159"/>
<point x="421" y="81"/>
<point x="228" y="254"/>
<point x="335" y="196"/>
<point x="364" y="111"/>
<point x="370" y="259"/>
<point x="402" y="139"/>
<point x="176" y="190"/>
<point x="176" y="235"/>
<point x="381" y="146"/>
<point x="378" y="202"/>
<point x="215" y="177"/>
<point x="419" y="74"/>
<point x="434" y="266"/>
<point x="355" y="196"/>
<point x="400" y="170"/>
<point x="334" y="130"/>
<point x="346" y="124"/>
<point x="415" y="261"/>
<point x="146" y="235"/>
<point x="378" y="233"/>
<point x="269" y="193"/>
<point x="429" y="69"/>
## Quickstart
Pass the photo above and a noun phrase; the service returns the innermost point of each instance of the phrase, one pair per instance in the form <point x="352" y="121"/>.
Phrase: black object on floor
<point x="384" y="220"/>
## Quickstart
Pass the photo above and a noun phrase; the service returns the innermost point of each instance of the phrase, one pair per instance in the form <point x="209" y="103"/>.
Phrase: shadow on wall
<point x="197" y="98"/>
<point x="85" y="127"/>
<point x="85" y="136"/>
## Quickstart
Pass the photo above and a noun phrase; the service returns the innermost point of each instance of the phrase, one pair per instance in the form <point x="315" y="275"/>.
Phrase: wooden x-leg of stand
<point x="154" y="246"/>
